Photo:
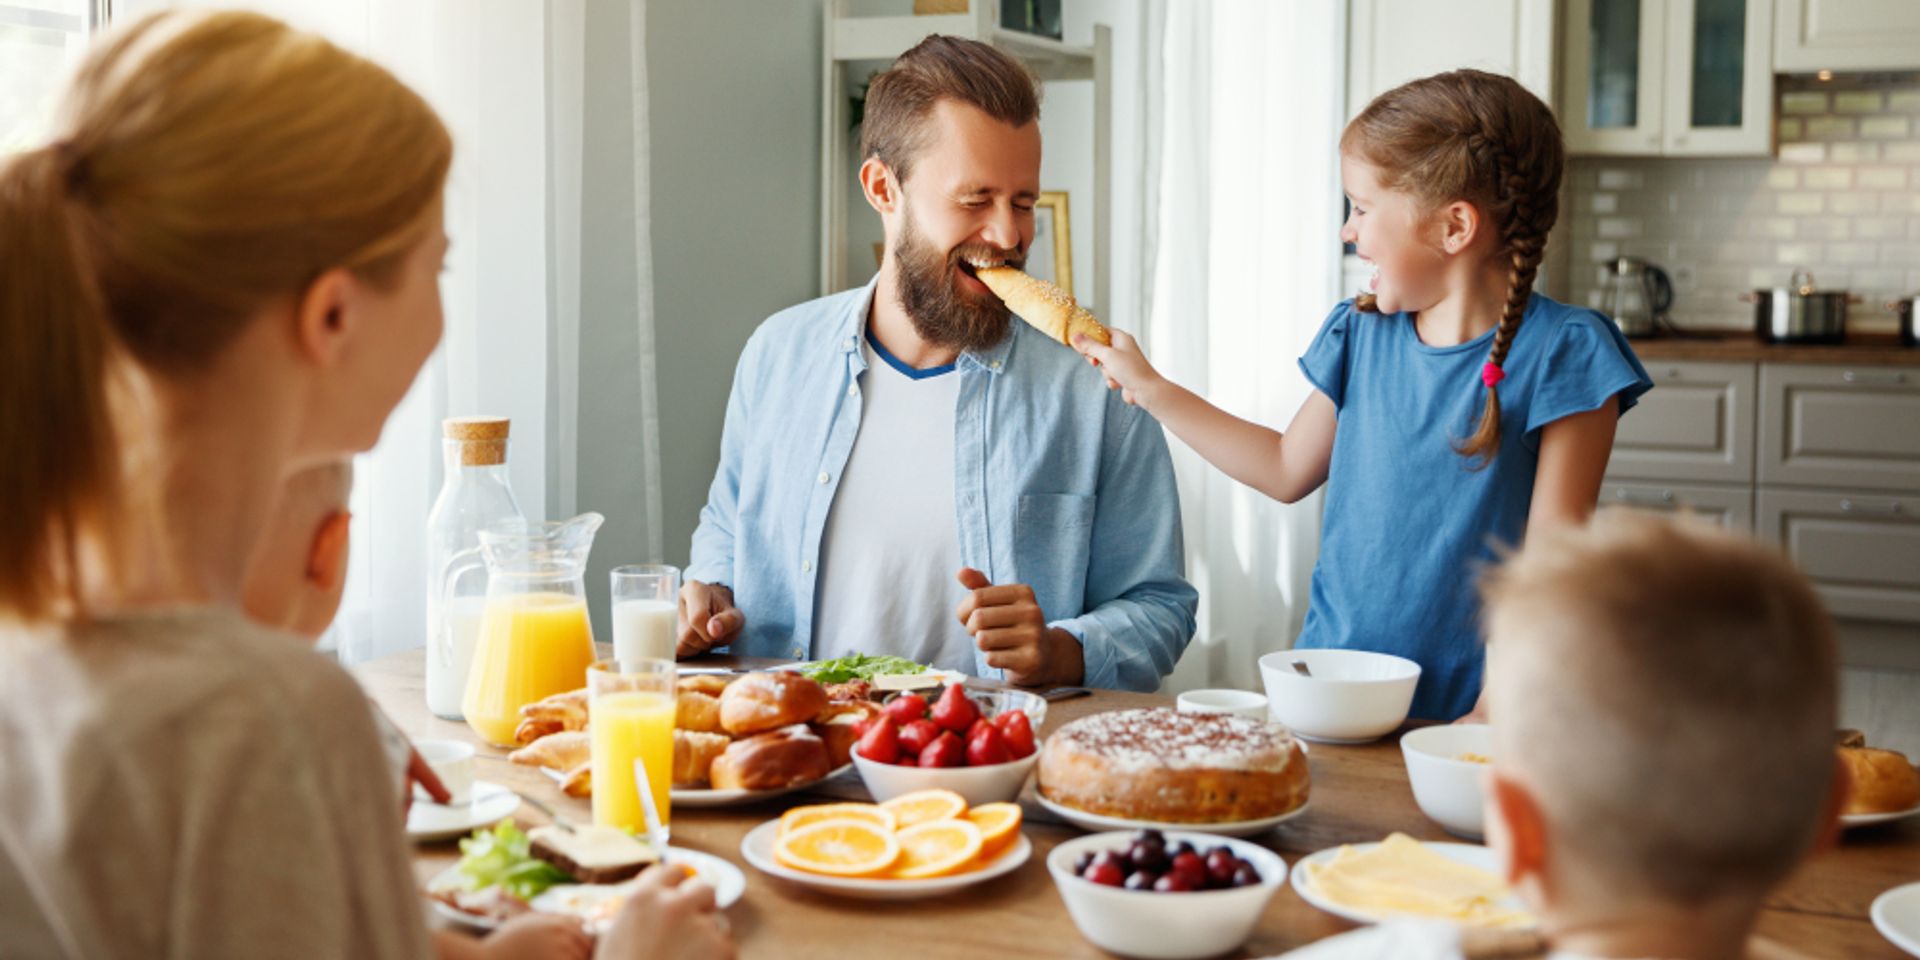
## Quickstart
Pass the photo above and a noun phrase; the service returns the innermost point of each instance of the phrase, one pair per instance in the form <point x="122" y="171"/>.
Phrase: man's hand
<point x="708" y="618"/>
<point x="1010" y="629"/>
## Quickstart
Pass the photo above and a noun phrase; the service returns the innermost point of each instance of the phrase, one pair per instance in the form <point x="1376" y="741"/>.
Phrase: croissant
<point x="556" y="751"/>
<point x="1048" y="308"/>
<point x="578" y="782"/>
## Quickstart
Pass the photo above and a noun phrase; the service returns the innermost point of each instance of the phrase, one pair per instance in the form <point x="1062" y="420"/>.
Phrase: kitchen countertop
<point x="1880" y="349"/>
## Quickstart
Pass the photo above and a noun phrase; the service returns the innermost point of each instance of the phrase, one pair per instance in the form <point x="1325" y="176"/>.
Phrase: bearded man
<point x="906" y="470"/>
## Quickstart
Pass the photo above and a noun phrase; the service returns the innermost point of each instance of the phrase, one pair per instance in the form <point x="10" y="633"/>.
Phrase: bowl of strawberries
<point x="979" y="743"/>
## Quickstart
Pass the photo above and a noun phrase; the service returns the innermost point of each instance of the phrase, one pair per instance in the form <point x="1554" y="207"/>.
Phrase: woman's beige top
<point x="188" y="784"/>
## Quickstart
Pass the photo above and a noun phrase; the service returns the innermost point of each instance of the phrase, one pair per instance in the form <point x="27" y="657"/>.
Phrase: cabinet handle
<point x="1874" y="377"/>
<point x="1645" y="498"/>
<point x="1889" y="508"/>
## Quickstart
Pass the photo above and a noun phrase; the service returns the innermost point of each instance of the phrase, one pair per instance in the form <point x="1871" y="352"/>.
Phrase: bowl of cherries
<point x="1166" y="895"/>
<point x="978" y="743"/>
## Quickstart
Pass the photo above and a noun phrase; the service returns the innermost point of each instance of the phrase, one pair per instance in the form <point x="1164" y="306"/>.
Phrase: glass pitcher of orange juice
<point x="534" y="637"/>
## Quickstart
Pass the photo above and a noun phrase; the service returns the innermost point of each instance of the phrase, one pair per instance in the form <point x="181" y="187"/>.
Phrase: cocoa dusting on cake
<point x="1139" y="739"/>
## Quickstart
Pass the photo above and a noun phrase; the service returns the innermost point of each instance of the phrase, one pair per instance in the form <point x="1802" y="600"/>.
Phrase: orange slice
<point x="937" y="848"/>
<point x="839" y="848"/>
<point x="872" y="813"/>
<point x="926" y="806"/>
<point x="999" y="823"/>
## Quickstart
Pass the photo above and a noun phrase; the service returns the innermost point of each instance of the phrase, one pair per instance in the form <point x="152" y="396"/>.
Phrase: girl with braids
<point x="1453" y="404"/>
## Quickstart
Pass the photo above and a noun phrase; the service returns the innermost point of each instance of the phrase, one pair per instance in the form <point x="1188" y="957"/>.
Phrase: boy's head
<point x="1663" y="698"/>
<point x="299" y="567"/>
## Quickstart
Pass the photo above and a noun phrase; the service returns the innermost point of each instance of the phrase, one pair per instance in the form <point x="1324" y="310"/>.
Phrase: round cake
<point x="1170" y="767"/>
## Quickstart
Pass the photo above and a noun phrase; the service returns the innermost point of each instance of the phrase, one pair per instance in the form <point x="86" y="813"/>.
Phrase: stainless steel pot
<point x="1907" y="308"/>
<point x="1798" y="313"/>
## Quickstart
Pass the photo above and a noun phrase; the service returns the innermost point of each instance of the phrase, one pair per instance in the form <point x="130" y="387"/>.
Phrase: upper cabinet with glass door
<point x="1668" y="77"/>
<point x="1814" y="35"/>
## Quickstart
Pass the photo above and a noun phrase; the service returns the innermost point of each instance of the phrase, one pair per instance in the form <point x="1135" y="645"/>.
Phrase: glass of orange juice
<point x="630" y="716"/>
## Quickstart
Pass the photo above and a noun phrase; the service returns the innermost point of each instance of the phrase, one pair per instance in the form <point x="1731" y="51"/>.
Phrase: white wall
<point x="735" y="199"/>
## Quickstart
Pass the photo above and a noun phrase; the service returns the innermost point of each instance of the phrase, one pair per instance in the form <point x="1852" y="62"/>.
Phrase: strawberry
<point x="915" y="737"/>
<point x="880" y="742"/>
<point x="947" y="751"/>
<point x="954" y="711"/>
<point x="986" y="747"/>
<point x="906" y="708"/>
<point x="1018" y="731"/>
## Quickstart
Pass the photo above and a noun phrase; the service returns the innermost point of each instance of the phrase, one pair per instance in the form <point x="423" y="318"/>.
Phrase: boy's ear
<point x="1837" y="794"/>
<point x="327" y="563"/>
<point x="1524" y="827"/>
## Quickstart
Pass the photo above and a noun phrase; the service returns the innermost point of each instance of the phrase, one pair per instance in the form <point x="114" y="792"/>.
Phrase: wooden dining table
<point x="1359" y="794"/>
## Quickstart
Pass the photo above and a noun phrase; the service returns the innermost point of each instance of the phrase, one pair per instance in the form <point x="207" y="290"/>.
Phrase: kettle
<point x="1637" y="297"/>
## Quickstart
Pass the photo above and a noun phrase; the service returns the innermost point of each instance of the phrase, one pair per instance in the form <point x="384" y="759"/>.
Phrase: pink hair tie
<point x="1491" y="374"/>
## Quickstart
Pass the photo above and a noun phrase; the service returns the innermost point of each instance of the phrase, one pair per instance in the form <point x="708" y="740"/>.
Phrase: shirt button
<point x="853" y="389"/>
<point x="824" y="478"/>
<point x="799" y="653"/>
<point x="806" y="566"/>
<point x="846" y="344"/>
<point x="995" y="364"/>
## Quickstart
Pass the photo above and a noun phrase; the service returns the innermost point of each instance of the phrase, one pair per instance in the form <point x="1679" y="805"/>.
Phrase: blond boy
<point x="1664" y="702"/>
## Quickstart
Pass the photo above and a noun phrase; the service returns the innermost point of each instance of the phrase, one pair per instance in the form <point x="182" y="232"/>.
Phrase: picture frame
<point x="1050" y="257"/>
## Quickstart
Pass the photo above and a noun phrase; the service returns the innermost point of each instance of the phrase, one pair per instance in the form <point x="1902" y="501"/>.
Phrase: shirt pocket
<point x="1052" y="543"/>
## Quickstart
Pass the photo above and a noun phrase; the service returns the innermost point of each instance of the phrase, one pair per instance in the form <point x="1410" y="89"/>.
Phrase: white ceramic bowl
<point x="1447" y="788"/>
<point x="1165" y="926"/>
<point x="1353" y="696"/>
<point x="978" y="785"/>
<point x="1244" y="703"/>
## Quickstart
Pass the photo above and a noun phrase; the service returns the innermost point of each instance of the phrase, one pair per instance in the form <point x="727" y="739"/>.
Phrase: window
<point x="40" y="42"/>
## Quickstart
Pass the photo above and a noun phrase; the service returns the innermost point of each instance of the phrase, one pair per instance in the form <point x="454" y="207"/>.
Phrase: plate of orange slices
<point x="916" y="845"/>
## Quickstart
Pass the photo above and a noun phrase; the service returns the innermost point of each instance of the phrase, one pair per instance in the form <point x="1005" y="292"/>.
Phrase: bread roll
<point x="578" y="782"/>
<point x="759" y="702"/>
<point x="556" y="751"/>
<point x="696" y="711"/>
<point x="1882" y="781"/>
<point x="769" y="761"/>
<point x="693" y="756"/>
<point x="708" y="683"/>
<point x="838" y="726"/>
<point x="1047" y="307"/>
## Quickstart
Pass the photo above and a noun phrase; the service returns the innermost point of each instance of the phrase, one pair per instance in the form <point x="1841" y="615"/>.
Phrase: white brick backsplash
<point x="1803" y="102"/>
<point x="1859" y="101"/>
<point x="1827" y="178"/>
<point x="1835" y="128"/>
<point x="1801" y="203"/>
<point x="1803" y="152"/>
<point x="1841" y="197"/>
<point x="1886" y="128"/>
<point x="1850" y="254"/>
<point x="1882" y="178"/>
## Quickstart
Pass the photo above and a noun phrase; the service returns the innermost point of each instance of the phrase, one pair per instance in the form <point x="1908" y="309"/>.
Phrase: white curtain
<point x="508" y="78"/>
<point x="1240" y="263"/>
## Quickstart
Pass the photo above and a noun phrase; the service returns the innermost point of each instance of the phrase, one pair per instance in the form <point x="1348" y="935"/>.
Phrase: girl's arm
<point x="1285" y="466"/>
<point x="1573" y="458"/>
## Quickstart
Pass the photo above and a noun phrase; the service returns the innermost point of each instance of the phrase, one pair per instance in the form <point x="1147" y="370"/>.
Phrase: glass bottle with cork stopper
<point x="475" y="494"/>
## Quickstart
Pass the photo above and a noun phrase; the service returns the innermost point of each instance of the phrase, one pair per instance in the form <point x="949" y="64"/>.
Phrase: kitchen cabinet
<point x="1861" y="550"/>
<point x="1814" y="35"/>
<point x="1731" y="507"/>
<point x="1668" y="77"/>
<point x="1840" y="426"/>
<point x="1393" y="41"/>
<point x="1696" y="426"/>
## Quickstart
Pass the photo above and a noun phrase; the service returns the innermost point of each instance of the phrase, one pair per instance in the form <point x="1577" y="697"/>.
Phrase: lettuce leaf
<point x="859" y="666"/>
<point x="501" y="858"/>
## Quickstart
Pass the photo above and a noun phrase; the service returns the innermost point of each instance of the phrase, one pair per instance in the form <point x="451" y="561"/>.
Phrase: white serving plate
<point x="428" y="821"/>
<point x="1470" y="854"/>
<point x="1095" y="823"/>
<point x="757" y="847"/>
<point x="728" y="882"/>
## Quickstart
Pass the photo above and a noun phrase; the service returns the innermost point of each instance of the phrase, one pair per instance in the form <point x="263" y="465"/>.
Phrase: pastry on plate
<point x="1164" y="766"/>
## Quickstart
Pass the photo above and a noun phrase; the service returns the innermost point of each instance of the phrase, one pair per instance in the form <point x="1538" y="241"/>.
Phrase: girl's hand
<point x="1125" y="367"/>
<point x="538" y="936"/>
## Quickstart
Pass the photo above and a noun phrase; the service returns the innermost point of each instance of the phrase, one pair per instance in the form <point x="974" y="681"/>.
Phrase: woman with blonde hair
<point x="222" y="270"/>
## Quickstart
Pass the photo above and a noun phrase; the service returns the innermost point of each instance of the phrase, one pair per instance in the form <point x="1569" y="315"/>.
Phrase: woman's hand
<point x="538" y="936"/>
<point x="1125" y="367"/>
<point x="668" y="917"/>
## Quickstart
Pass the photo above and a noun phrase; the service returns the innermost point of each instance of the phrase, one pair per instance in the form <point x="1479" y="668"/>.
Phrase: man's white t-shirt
<point x="890" y="554"/>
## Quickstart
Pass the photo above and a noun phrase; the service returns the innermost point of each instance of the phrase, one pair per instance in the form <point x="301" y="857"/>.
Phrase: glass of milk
<point x="646" y="609"/>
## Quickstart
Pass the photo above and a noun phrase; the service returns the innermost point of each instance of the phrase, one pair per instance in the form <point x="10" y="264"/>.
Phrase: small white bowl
<point x="1001" y="781"/>
<point x="1354" y="696"/>
<point x="1244" y="703"/>
<point x="1165" y="926"/>
<point x="1450" y="790"/>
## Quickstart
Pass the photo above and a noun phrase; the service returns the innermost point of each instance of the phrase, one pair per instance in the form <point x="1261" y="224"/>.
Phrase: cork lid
<point x="483" y="440"/>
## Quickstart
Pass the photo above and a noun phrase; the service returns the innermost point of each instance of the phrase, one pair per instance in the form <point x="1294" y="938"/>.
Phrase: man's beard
<point x="940" y="312"/>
